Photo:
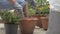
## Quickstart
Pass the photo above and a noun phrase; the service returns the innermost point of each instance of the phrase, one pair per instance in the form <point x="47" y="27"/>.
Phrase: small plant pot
<point x="39" y="23"/>
<point x="11" y="28"/>
<point x="44" y="22"/>
<point x="27" y="25"/>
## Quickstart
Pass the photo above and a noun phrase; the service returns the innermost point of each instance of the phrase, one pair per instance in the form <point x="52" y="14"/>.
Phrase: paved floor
<point x="36" y="31"/>
<point x="39" y="31"/>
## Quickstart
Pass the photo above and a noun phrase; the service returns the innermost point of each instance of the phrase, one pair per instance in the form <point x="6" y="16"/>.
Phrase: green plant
<point x="41" y="2"/>
<point x="9" y="17"/>
<point x="31" y="10"/>
<point x="44" y="9"/>
<point x="43" y="6"/>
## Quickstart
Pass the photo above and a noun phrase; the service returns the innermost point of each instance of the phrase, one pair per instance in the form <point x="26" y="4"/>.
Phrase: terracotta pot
<point x="39" y="23"/>
<point x="44" y="22"/>
<point x="27" y="25"/>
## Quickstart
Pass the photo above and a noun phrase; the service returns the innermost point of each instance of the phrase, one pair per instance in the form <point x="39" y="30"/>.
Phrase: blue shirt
<point x="5" y="1"/>
<point x="4" y="4"/>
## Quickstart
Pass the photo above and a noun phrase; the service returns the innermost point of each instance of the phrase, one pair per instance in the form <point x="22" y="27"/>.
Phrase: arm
<point x="15" y="4"/>
<point x="12" y="1"/>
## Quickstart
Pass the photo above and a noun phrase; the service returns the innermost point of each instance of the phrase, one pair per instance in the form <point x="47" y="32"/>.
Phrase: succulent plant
<point x="10" y="17"/>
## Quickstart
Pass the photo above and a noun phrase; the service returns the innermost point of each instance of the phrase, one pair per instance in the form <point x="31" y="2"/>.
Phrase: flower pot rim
<point x="11" y="23"/>
<point x="30" y="18"/>
<point x="44" y="17"/>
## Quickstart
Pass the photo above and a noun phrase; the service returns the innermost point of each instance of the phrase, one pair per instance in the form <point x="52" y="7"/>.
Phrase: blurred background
<point x="40" y="10"/>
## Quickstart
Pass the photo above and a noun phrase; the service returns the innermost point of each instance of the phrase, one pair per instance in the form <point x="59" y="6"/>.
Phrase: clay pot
<point x="39" y="23"/>
<point x="44" y="22"/>
<point x="27" y="25"/>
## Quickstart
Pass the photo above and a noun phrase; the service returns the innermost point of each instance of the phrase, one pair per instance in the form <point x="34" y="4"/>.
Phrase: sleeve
<point x="17" y="5"/>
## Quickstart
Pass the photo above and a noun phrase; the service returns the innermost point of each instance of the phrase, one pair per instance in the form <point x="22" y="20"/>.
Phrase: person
<point x="13" y="4"/>
<point x="54" y="17"/>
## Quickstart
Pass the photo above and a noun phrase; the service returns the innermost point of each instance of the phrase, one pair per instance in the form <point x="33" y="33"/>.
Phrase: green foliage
<point x="9" y="17"/>
<point x="38" y="1"/>
<point x="41" y="1"/>
<point x="31" y="10"/>
<point x="44" y="9"/>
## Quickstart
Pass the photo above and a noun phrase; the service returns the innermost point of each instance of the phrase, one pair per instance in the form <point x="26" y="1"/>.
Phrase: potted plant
<point x="44" y="12"/>
<point x="32" y="14"/>
<point x="39" y="24"/>
<point x="31" y="10"/>
<point x="11" y="22"/>
<point x="27" y="25"/>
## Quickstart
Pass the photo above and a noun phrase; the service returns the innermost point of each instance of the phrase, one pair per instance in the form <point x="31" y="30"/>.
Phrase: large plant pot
<point x="27" y="25"/>
<point x="39" y="23"/>
<point x="11" y="28"/>
<point x="44" y="22"/>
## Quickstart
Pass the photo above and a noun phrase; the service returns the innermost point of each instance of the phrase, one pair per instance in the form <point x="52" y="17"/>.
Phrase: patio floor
<point x="37" y="30"/>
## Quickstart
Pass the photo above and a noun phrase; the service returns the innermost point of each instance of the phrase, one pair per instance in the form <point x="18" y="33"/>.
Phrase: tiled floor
<point x="36" y="31"/>
<point x="39" y="31"/>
